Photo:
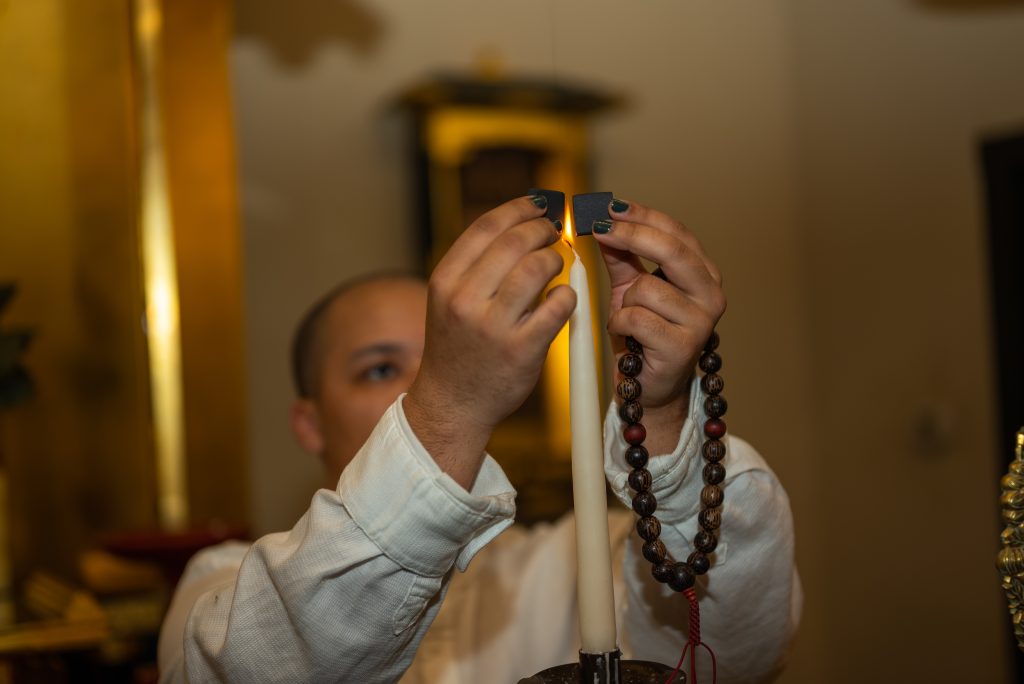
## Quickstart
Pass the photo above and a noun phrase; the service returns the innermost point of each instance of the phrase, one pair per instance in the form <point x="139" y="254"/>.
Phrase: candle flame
<point x="568" y="231"/>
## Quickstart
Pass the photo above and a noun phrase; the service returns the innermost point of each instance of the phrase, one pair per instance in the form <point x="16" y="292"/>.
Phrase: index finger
<point x="482" y="232"/>
<point x="681" y="264"/>
<point x="638" y="213"/>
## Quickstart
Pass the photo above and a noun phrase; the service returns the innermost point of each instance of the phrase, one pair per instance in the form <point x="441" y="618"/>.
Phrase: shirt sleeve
<point x="750" y="600"/>
<point x="346" y="594"/>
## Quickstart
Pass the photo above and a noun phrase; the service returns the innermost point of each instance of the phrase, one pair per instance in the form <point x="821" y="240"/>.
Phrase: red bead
<point x="715" y="428"/>
<point x="637" y="433"/>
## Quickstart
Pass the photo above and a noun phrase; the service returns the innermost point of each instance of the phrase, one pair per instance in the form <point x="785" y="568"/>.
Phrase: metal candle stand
<point x="605" y="668"/>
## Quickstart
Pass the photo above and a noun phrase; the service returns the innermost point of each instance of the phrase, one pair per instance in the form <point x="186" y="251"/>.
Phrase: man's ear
<point x="305" y="421"/>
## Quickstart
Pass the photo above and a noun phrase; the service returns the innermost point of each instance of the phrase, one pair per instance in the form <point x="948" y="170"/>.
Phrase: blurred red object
<point x="171" y="551"/>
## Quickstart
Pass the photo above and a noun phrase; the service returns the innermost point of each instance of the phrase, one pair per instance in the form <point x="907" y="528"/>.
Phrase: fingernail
<point x="558" y="225"/>
<point x="601" y="227"/>
<point x="540" y="200"/>
<point x="619" y="206"/>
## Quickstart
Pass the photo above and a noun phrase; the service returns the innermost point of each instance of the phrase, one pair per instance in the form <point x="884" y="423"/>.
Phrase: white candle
<point x="593" y="552"/>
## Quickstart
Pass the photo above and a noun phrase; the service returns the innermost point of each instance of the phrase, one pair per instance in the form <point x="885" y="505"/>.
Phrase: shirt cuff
<point x="416" y="514"/>
<point x="677" y="476"/>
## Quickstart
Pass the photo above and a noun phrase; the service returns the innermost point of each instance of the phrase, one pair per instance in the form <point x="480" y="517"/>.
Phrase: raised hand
<point x="672" y="317"/>
<point x="485" y="339"/>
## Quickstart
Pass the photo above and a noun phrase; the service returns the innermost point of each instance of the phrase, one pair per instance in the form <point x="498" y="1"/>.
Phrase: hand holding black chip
<point x="588" y="208"/>
<point x="556" y="203"/>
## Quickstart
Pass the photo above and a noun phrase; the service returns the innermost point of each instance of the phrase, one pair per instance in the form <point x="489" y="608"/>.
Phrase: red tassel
<point x="692" y="643"/>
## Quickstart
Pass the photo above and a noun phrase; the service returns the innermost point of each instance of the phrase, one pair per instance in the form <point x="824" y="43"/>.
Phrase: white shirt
<point x="353" y="592"/>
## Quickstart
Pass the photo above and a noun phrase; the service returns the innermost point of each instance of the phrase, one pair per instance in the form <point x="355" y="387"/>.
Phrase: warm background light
<point x="159" y="266"/>
<point x="87" y="198"/>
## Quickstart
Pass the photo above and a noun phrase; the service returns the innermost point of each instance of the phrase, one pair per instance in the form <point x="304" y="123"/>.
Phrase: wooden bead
<point x="640" y="480"/>
<point x="629" y="389"/>
<point x="649" y="528"/>
<point x="715" y="428"/>
<point x="711" y="496"/>
<point x="710" y="519"/>
<point x="662" y="572"/>
<point x="713" y="449"/>
<point x="710" y="362"/>
<point x="682" y="577"/>
<point x="714" y="473"/>
<point x="631" y="412"/>
<point x="630" y="365"/>
<point x="645" y="504"/>
<point x="679" y="576"/>
<point x="705" y="541"/>
<point x="715" y="406"/>
<point x="655" y="551"/>
<point x="635" y="434"/>
<point x="712" y="383"/>
<point x="636" y="456"/>
<point x="699" y="563"/>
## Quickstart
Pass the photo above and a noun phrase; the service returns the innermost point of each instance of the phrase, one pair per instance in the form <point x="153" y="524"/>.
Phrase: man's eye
<point x="380" y="372"/>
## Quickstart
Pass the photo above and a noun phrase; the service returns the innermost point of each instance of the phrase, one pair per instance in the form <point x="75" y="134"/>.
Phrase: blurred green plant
<point x="15" y="383"/>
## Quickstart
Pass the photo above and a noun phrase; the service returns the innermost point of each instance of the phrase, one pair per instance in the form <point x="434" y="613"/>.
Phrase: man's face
<point x="371" y="345"/>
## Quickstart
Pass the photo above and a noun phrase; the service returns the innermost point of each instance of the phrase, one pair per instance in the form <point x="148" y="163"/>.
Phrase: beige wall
<point x="826" y="159"/>
<point x="893" y="100"/>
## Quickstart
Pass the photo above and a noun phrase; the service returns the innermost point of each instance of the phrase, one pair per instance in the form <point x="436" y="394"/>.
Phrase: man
<point x="351" y="593"/>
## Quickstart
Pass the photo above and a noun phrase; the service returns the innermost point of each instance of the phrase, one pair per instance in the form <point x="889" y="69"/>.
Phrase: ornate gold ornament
<point x="1010" y="561"/>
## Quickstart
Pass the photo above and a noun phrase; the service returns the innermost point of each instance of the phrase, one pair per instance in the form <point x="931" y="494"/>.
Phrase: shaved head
<point x="355" y="352"/>
<point x="308" y="343"/>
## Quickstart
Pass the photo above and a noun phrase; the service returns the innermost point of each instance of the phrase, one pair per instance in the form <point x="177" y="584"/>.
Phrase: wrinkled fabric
<point x="375" y="583"/>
